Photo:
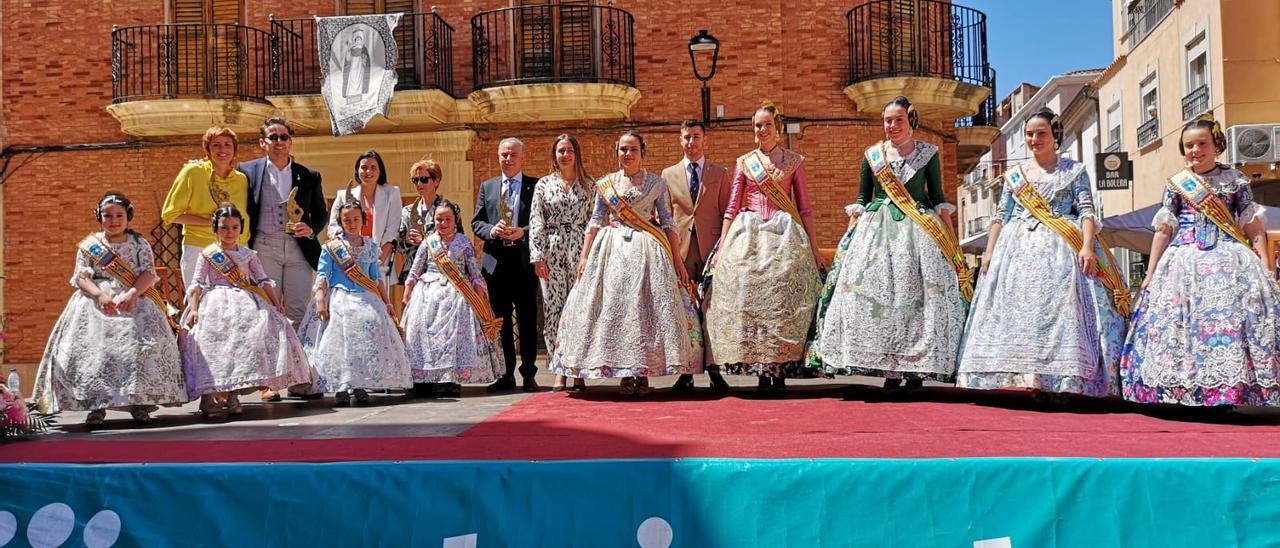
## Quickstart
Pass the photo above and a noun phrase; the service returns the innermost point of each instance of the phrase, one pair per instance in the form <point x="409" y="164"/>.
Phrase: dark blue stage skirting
<point x="977" y="502"/>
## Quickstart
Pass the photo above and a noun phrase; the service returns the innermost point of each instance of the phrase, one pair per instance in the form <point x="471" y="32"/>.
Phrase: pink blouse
<point x="746" y="195"/>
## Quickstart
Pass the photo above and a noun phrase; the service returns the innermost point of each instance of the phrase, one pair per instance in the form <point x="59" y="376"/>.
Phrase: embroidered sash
<point x="942" y="236"/>
<point x="1196" y="192"/>
<point x="628" y="215"/>
<point x="1108" y="271"/>
<point x="761" y="170"/>
<point x="341" y="254"/>
<point x="101" y="254"/>
<point x="440" y="254"/>
<point x="225" y="265"/>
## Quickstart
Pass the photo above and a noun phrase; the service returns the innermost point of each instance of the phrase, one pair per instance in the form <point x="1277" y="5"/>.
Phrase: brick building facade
<point x="62" y="148"/>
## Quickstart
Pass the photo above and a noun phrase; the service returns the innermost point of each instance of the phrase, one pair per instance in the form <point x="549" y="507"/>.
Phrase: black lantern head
<point x="699" y="46"/>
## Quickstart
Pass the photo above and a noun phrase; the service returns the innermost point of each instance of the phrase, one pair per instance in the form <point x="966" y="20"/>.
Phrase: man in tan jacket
<point x="699" y="194"/>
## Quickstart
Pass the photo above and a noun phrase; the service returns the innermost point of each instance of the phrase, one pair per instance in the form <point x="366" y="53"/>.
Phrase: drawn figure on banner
<point x="355" y="73"/>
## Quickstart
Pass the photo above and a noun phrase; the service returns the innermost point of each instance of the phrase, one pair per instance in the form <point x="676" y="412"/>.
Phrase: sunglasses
<point x="422" y="180"/>
<point x="278" y="137"/>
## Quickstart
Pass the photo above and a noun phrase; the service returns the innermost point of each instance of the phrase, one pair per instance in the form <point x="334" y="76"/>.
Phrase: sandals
<point x="628" y="386"/>
<point x="96" y="417"/>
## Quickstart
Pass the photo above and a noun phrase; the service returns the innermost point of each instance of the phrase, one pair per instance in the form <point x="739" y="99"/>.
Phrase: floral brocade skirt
<point x="627" y="315"/>
<point x="443" y="336"/>
<point x="1206" y="331"/>
<point x="358" y="347"/>
<point x="240" y="343"/>
<point x="763" y="291"/>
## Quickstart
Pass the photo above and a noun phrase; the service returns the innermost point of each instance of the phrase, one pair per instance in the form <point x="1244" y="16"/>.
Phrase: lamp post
<point x="701" y="46"/>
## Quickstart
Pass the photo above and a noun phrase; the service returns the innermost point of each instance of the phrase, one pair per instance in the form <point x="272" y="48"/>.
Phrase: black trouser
<point x="514" y="286"/>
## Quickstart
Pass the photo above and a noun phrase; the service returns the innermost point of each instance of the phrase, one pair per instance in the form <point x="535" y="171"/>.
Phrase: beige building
<point x="1175" y="60"/>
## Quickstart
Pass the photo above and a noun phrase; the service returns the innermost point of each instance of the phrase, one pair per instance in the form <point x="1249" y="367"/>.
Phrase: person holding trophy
<point x="286" y="211"/>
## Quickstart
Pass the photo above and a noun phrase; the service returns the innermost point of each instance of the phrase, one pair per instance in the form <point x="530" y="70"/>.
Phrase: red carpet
<point x="813" y="423"/>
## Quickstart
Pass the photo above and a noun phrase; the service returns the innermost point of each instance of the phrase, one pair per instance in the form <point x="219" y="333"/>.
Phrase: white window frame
<point x="1196" y="48"/>
<point x="1150" y="84"/>
<point x="1115" y="124"/>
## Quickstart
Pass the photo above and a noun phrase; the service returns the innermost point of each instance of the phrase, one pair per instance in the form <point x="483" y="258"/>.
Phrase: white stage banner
<point x="358" y="60"/>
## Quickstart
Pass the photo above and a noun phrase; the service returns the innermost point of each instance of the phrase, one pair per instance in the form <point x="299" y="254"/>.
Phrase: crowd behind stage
<point x="693" y="268"/>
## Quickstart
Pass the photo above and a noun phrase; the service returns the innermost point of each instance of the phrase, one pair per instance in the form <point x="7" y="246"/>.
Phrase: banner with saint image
<point x="358" y="61"/>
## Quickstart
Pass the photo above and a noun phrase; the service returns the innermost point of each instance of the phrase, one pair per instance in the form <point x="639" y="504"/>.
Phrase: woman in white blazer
<point x="375" y="196"/>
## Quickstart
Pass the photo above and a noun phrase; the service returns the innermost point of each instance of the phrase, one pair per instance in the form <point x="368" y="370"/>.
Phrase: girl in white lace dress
<point x="629" y="315"/>
<point x="112" y="347"/>
<point x="348" y="331"/>
<point x="236" y="338"/>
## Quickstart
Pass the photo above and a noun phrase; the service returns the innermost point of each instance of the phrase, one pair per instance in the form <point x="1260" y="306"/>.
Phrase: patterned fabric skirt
<point x="895" y="310"/>
<point x="443" y="336"/>
<point x="94" y="361"/>
<point x="762" y="294"/>
<point x="359" y="347"/>
<point x="240" y="343"/>
<point x="1018" y="338"/>
<point x="1206" y="331"/>
<point x="627" y="315"/>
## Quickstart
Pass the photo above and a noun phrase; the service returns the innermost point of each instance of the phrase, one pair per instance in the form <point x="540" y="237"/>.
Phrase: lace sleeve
<point x="664" y="212"/>
<point x="256" y="272"/>
<point x="598" y="214"/>
<point x="1167" y="216"/>
<point x="84" y="267"/>
<point x="1249" y="210"/>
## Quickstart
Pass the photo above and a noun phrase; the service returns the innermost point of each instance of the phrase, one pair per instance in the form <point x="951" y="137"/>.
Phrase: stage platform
<point x="823" y="466"/>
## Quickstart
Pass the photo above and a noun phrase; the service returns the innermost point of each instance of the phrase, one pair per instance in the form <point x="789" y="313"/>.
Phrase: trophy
<point x="294" y="211"/>
<point x="505" y="213"/>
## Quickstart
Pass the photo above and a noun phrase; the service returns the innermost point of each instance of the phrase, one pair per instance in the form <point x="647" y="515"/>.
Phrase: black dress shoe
<point x="530" y="385"/>
<point x="779" y="386"/>
<point x="718" y="384"/>
<point x="683" y="384"/>
<point x="580" y="388"/>
<point x="504" y="384"/>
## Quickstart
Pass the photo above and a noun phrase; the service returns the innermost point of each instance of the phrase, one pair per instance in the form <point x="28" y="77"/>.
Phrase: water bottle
<point x="15" y="384"/>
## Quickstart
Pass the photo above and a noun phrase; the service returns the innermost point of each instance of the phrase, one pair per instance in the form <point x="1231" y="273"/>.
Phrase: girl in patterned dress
<point x="236" y="339"/>
<point x="348" y="332"/>
<point x="112" y="347"/>
<point x="557" y="224"/>
<point x="1206" y="327"/>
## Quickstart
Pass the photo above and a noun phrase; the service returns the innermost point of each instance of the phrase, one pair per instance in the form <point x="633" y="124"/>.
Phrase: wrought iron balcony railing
<point x="1148" y="131"/>
<point x="189" y="60"/>
<point x="986" y="116"/>
<point x="1144" y="17"/>
<point x="1113" y="147"/>
<point x="928" y="38"/>
<point x="553" y="43"/>
<point x="424" y="59"/>
<point x="1195" y="103"/>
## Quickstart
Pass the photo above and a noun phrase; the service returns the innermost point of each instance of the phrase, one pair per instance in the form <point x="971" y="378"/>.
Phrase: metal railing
<point x="189" y="60"/>
<point x="424" y="58"/>
<point x="986" y="116"/>
<point x="1113" y="147"/>
<point x="1148" y="131"/>
<point x="1144" y="17"/>
<point x="553" y="43"/>
<point x="1195" y="103"/>
<point x="929" y="38"/>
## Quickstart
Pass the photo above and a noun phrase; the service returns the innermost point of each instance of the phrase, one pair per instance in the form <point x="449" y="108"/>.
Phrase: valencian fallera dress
<point x="765" y="284"/>
<point x="627" y="315"/>
<point x="1207" y="329"/>
<point x="1037" y="320"/>
<point x="892" y="306"/>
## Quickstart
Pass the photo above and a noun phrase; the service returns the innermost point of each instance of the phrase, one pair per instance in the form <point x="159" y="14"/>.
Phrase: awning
<point x="1133" y="229"/>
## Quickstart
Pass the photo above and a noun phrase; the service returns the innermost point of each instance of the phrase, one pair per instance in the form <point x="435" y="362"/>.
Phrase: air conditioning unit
<point x="1253" y="144"/>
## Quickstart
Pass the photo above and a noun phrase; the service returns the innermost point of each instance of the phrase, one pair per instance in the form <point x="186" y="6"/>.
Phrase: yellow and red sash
<point x="1194" y="190"/>
<point x="628" y="215"/>
<point x="761" y="170"/>
<point x="942" y="236"/>
<point x="440" y="254"/>
<point x="225" y="265"/>
<point x="1108" y="270"/>
<point x="341" y="253"/>
<point x="102" y="254"/>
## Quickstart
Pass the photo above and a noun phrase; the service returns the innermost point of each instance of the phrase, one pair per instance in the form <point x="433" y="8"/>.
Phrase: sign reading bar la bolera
<point x="1114" y="170"/>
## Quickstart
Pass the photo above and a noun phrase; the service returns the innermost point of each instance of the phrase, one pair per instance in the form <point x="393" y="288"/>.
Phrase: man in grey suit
<point x="505" y="264"/>
<point x="289" y="259"/>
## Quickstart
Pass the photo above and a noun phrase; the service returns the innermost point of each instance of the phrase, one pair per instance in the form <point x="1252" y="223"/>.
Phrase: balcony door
<point x="557" y="40"/>
<point x="207" y="58"/>
<point x="408" y="34"/>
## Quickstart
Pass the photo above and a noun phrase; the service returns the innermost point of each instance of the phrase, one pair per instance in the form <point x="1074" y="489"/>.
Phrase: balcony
<point x="553" y="62"/>
<point x="976" y="133"/>
<point x="1113" y="147"/>
<point x="1148" y="132"/>
<point x="424" y="74"/>
<point x="1195" y="103"/>
<point x="933" y="52"/>
<point x="1144" y="17"/>
<point x="178" y="79"/>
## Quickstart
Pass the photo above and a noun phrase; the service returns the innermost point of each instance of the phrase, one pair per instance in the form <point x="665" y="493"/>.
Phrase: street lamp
<point x="700" y="46"/>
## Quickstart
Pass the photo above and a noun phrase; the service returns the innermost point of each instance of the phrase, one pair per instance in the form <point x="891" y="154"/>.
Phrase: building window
<point x="221" y="12"/>
<point x="369" y="7"/>
<point x="1144" y="16"/>
<point x="1196" y="101"/>
<point x="1149" y="112"/>
<point x="1113" y="127"/>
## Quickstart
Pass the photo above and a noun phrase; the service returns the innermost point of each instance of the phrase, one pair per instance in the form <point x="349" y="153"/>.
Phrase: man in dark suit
<point x="505" y="264"/>
<point x="289" y="250"/>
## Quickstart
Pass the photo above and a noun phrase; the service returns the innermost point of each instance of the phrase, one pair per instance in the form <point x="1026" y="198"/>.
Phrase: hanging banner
<point x="358" y="60"/>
